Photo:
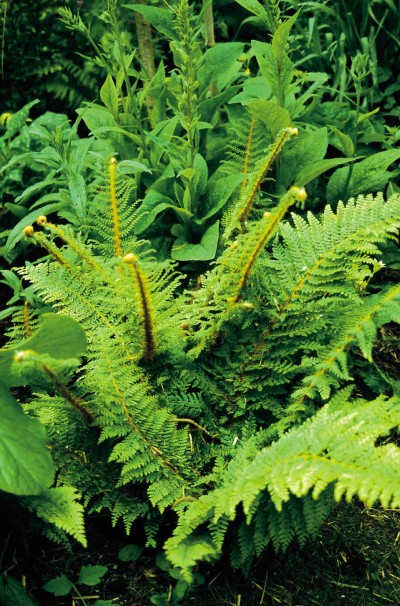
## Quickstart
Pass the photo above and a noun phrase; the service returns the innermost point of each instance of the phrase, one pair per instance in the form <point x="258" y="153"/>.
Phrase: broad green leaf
<point x="96" y="116"/>
<point x="109" y="96"/>
<point x="277" y="73"/>
<point x="180" y="590"/>
<point x="252" y="89"/>
<point x="36" y="188"/>
<point x="201" y="168"/>
<point x="118" y="130"/>
<point x="307" y="149"/>
<point x="153" y="204"/>
<point x="217" y="194"/>
<point x="208" y="107"/>
<point x="130" y="553"/>
<point x="161" y="19"/>
<point x="17" y="233"/>
<point x="12" y="593"/>
<point x="370" y="175"/>
<point x="204" y="251"/>
<point x="279" y="41"/>
<point x="77" y="190"/>
<point x="16" y="210"/>
<point x="343" y="142"/>
<point x="128" y="167"/>
<point x="59" y="337"/>
<point x="272" y="115"/>
<point x="17" y="120"/>
<point x="59" y="586"/>
<point x="220" y="65"/>
<point x="313" y="170"/>
<point x="26" y="467"/>
<point x="91" y="575"/>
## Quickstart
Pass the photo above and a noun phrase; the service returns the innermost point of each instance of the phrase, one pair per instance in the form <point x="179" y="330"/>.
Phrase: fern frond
<point x="224" y="287"/>
<point x="146" y="307"/>
<point x="335" y="450"/>
<point x="358" y="328"/>
<point x="240" y="212"/>
<point x="61" y="506"/>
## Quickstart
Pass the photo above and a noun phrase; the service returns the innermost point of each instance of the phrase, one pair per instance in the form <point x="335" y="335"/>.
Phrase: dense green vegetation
<point x="199" y="247"/>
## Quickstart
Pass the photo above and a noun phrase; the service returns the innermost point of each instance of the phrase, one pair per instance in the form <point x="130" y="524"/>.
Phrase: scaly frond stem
<point x="68" y="395"/>
<point x="73" y="245"/>
<point x="267" y="228"/>
<point x="26" y="320"/>
<point x="254" y="188"/>
<point x="144" y="295"/>
<point x="54" y="252"/>
<point x="199" y="427"/>
<point x="114" y="207"/>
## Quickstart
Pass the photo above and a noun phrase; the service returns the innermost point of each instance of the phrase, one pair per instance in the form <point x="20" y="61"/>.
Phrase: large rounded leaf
<point x="26" y="467"/>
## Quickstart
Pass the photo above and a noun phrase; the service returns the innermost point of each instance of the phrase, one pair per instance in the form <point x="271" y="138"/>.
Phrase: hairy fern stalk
<point x="229" y="401"/>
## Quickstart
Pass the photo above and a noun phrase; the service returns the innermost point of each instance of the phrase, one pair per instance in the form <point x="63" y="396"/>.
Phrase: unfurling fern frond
<point x="239" y="212"/>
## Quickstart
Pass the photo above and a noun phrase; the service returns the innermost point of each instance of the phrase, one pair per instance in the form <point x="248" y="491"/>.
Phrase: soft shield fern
<point x="332" y="454"/>
<point x="226" y="398"/>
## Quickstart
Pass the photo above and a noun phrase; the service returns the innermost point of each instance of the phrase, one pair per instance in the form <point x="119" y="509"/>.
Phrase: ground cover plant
<point x="192" y="340"/>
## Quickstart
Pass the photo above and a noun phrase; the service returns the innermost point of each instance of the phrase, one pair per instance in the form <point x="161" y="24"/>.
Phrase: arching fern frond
<point x="335" y="450"/>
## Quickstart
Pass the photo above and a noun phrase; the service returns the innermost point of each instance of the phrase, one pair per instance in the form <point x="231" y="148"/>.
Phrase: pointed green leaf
<point x="109" y="96"/>
<point x="279" y="41"/>
<point x="220" y="65"/>
<point x="59" y="586"/>
<point x="218" y="193"/>
<point x="130" y="553"/>
<point x="370" y="175"/>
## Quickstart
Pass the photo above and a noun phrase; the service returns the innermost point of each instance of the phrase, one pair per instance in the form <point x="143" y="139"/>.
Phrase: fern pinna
<point x="232" y="400"/>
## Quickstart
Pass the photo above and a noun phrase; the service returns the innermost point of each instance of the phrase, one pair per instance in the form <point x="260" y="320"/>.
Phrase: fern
<point x="211" y="401"/>
<point x="241" y="211"/>
<point x="334" y="449"/>
<point x="60" y="506"/>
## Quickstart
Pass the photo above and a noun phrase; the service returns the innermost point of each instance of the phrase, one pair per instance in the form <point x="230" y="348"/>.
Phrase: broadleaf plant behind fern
<point x="232" y="399"/>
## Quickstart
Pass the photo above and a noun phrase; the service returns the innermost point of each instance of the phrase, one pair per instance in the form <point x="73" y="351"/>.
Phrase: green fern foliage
<point x="229" y="400"/>
<point x="333" y="450"/>
<point x="61" y="507"/>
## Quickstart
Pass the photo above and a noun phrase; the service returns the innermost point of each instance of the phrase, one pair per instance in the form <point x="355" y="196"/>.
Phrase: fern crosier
<point x="140" y="280"/>
<point x="239" y="213"/>
<point x="116" y="221"/>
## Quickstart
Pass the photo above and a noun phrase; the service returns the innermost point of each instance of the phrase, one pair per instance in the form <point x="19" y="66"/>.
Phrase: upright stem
<point x="209" y="24"/>
<point x="3" y="36"/>
<point x="129" y="91"/>
<point x="146" y="52"/>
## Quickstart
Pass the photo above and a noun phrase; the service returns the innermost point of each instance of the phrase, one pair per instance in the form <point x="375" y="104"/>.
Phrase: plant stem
<point x="209" y="24"/>
<point x="146" y="52"/>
